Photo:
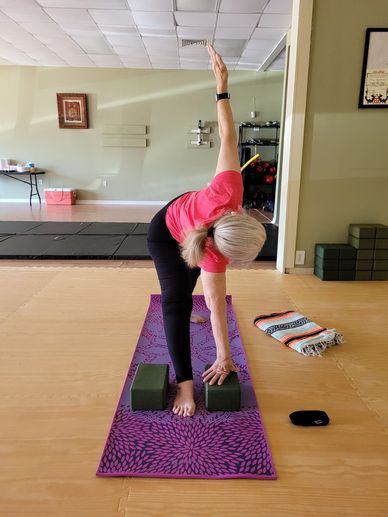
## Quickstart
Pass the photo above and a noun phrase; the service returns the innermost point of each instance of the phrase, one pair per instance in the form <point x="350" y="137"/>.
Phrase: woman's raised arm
<point x="228" y="158"/>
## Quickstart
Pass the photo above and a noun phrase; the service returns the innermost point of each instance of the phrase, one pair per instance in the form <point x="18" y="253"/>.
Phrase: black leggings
<point x="177" y="281"/>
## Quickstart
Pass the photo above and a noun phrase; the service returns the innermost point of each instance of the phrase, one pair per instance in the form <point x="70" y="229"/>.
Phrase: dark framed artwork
<point x="374" y="79"/>
<point x="72" y="110"/>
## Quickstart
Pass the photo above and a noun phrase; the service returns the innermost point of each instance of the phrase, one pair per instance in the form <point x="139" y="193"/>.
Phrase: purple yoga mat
<point x="211" y="444"/>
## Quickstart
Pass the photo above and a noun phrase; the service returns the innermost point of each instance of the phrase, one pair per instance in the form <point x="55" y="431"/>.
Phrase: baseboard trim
<point x="300" y="270"/>
<point x="115" y="202"/>
<point x="91" y="202"/>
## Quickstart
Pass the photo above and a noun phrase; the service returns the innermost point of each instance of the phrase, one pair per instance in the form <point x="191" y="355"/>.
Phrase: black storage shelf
<point x="258" y="193"/>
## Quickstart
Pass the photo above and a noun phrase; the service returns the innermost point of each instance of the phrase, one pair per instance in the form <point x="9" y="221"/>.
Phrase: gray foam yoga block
<point x="149" y="387"/>
<point x="380" y="255"/>
<point x="381" y="244"/>
<point x="365" y="254"/>
<point x="327" y="264"/>
<point x="325" y="275"/>
<point x="381" y="231"/>
<point x="346" y="274"/>
<point x="347" y="265"/>
<point x="363" y="275"/>
<point x="379" y="275"/>
<point x="364" y="265"/>
<point x="362" y="244"/>
<point x="226" y="397"/>
<point x="380" y="265"/>
<point x="363" y="231"/>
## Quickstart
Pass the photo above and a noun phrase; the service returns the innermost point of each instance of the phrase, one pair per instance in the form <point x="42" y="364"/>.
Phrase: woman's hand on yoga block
<point x="219" y="370"/>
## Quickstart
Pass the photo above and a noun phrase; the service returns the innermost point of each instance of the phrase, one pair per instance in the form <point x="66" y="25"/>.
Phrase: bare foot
<point x="195" y="318"/>
<point x="184" y="404"/>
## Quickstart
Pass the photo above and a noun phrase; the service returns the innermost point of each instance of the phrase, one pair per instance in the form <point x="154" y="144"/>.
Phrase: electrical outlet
<point x="104" y="183"/>
<point x="40" y="182"/>
<point x="300" y="257"/>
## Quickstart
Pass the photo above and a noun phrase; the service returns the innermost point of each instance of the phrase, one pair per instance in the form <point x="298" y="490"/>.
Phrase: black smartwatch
<point x="224" y="95"/>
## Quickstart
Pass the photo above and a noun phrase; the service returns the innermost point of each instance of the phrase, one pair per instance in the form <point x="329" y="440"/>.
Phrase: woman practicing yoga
<point x="199" y="233"/>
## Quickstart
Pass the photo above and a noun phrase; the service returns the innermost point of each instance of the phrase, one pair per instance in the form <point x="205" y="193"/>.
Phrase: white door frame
<point x="293" y="132"/>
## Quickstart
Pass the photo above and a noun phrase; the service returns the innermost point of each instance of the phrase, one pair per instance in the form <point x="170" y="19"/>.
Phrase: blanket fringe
<point x="316" y="348"/>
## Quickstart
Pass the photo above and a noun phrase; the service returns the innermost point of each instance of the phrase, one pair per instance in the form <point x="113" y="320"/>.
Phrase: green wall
<point x="345" y="158"/>
<point x="169" y="102"/>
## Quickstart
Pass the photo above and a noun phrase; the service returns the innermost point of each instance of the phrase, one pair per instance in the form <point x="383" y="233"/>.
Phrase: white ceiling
<point x="143" y="33"/>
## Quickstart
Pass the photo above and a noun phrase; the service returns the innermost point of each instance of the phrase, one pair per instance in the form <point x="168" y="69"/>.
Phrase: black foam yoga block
<point x="226" y="397"/>
<point x="306" y="418"/>
<point x="149" y="387"/>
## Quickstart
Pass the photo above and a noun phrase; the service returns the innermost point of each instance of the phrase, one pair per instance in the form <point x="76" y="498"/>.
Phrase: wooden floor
<point x="68" y="332"/>
<point x="67" y="337"/>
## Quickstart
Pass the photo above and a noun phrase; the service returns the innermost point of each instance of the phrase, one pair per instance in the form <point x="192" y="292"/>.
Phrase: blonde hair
<point x="237" y="236"/>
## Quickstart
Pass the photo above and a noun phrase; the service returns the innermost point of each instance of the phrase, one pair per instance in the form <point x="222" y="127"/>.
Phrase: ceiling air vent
<point x="187" y="42"/>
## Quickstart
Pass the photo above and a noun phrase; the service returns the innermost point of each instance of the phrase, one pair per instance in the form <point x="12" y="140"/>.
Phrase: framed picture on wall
<point x="72" y="110"/>
<point x="374" y="79"/>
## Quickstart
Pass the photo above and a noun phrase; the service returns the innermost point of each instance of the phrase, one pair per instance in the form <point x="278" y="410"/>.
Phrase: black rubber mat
<point x="109" y="229"/>
<point x="27" y="246"/>
<point x="16" y="227"/>
<point x="133" y="247"/>
<point x="141" y="229"/>
<point x="84" y="247"/>
<point x="57" y="228"/>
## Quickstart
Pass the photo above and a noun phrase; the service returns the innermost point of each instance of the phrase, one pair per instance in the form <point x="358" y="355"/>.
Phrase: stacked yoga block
<point x="365" y="257"/>
<point x="371" y="242"/>
<point x="150" y="384"/>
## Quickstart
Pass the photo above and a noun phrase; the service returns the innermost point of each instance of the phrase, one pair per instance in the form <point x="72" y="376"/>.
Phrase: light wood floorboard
<point x="67" y="337"/>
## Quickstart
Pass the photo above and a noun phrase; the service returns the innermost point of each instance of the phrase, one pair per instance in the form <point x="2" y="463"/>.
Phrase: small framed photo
<point x="374" y="79"/>
<point x="72" y="110"/>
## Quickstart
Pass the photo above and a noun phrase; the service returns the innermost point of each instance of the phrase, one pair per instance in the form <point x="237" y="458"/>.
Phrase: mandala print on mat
<point x="217" y="444"/>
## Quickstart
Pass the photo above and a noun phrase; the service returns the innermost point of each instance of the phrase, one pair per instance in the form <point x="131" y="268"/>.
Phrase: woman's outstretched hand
<point x="219" y="370"/>
<point x="219" y="68"/>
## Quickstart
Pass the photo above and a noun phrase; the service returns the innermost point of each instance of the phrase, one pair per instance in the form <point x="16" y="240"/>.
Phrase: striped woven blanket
<point x="298" y="332"/>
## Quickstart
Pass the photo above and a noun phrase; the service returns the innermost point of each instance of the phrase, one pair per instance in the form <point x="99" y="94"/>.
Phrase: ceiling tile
<point x="196" y="5"/>
<point x="114" y="30"/>
<point x="151" y="5"/>
<point x="108" y="61"/>
<point x="195" y="19"/>
<point x="44" y="29"/>
<point x="65" y="47"/>
<point x="232" y="32"/>
<point x="275" y="21"/>
<point x="131" y="40"/>
<point x="154" y="51"/>
<point x="166" y="66"/>
<point x="238" y="20"/>
<point x="230" y="48"/>
<point x="135" y="62"/>
<point x="154" y="20"/>
<point x="269" y="34"/>
<point x="161" y="33"/>
<point x="195" y="32"/>
<point x="93" y="44"/>
<point x="168" y="44"/>
<point x="242" y="6"/>
<point x="4" y="61"/>
<point x="78" y="60"/>
<point x="71" y="17"/>
<point x="247" y="66"/>
<point x="18" y="58"/>
<point x="130" y="51"/>
<point x="17" y="3"/>
<point x="279" y="7"/>
<point x="260" y="44"/>
<point x="84" y="4"/>
<point x="26" y="14"/>
<point x="47" y="59"/>
<point x="118" y="17"/>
